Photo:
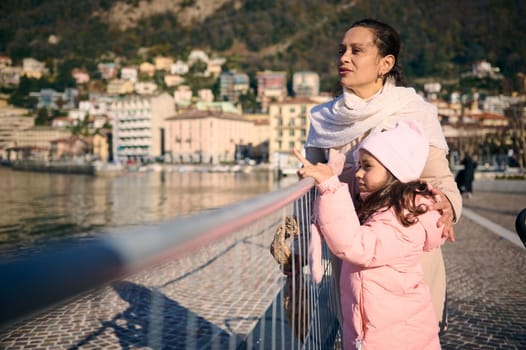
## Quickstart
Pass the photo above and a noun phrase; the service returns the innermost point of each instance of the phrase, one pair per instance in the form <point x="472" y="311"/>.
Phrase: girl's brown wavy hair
<point x="399" y="196"/>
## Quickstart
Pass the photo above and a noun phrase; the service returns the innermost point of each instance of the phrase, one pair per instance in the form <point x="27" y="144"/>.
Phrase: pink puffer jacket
<point x="385" y="302"/>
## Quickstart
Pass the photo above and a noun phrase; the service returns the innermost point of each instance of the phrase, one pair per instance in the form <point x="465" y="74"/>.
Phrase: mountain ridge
<point x="439" y="39"/>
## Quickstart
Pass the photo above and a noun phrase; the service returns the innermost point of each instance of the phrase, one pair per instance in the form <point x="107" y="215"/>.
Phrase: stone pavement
<point x="486" y="289"/>
<point x="486" y="278"/>
<point x="211" y="299"/>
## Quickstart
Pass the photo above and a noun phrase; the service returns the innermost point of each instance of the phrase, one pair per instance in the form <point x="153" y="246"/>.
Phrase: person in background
<point x="466" y="176"/>
<point x="372" y="99"/>
<point x="385" y="302"/>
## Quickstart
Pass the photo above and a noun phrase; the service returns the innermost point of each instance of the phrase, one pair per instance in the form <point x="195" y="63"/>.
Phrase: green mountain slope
<point x="439" y="38"/>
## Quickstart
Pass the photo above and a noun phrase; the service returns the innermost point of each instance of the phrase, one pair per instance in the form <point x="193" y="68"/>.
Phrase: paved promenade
<point x="486" y="286"/>
<point x="486" y="278"/>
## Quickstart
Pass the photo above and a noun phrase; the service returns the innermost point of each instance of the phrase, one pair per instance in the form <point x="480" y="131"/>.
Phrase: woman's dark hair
<point x="388" y="43"/>
<point x="399" y="196"/>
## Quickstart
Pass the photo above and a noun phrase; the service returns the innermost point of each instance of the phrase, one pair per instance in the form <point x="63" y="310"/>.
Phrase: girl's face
<point x="371" y="175"/>
<point x="360" y="64"/>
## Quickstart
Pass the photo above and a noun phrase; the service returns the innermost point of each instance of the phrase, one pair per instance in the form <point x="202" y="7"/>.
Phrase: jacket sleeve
<point x="437" y="173"/>
<point x="375" y="244"/>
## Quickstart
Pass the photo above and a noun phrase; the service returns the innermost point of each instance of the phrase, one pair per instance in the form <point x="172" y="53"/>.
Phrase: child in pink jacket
<point x="385" y="302"/>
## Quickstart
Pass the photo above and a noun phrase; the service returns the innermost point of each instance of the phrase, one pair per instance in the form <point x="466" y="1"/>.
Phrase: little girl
<point x="384" y="300"/>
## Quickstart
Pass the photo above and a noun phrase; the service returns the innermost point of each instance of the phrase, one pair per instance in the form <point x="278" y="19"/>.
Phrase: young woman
<point x="385" y="302"/>
<point x="372" y="100"/>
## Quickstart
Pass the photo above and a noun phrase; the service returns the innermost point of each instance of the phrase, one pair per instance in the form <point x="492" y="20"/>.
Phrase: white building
<point x="13" y="119"/>
<point x="77" y="115"/>
<point x="163" y="63"/>
<point x="173" y="80"/>
<point x="197" y="55"/>
<point x="63" y="122"/>
<point x="33" y="68"/>
<point x="179" y="68"/>
<point x="139" y="126"/>
<point x="119" y="87"/>
<point x="499" y="104"/>
<point x="129" y="73"/>
<point x="145" y="87"/>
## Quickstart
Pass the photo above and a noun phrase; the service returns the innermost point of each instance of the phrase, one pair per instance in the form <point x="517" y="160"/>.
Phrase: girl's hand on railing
<point x="320" y="172"/>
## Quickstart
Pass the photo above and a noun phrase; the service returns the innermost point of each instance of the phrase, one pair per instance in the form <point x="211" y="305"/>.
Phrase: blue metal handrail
<point x="64" y="270"/>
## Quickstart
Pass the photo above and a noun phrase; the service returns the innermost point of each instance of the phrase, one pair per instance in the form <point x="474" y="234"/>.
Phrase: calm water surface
<point x="38" y="207"/>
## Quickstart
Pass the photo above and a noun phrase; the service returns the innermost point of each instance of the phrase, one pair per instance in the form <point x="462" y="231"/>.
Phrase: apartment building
<point x="145" y="87"/>
<point x="51" y="99"/>
<point x="81" y="76"/>
<point x="108" y="70"/>
<point x="289" y="125"/>
<point x="33" y="68"/>
<point x="272" y="86"/>
<point x="179" y="68"/>
<point x="147" y="69"/>
<point x="129" y="73"/>
<point x="98" y="104"/>
<point x="197" y="55"/>
<point x="120" y="87"/>
<point x="207" y="136"/>
<point x="163" y="63"/>
<point x="10" y="76"/>
<point x="232" y="85"/>
<point x="34" y="142"/>
<point x="139" y="126"/>
<point x="12" y="119"/>
<point x="214" y="66"/>
<point x="173" y="80"/>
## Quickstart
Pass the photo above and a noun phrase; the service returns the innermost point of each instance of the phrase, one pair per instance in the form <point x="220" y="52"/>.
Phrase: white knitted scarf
<point x="340" y="121"/>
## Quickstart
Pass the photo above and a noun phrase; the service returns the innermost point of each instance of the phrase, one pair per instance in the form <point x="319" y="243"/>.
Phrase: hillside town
<point x="152" y="114"/>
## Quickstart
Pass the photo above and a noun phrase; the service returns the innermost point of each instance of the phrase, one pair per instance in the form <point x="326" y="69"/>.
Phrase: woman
<point x="371" y="102"/>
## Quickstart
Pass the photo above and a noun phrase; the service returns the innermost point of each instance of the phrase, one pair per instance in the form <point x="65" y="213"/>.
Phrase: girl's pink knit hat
<point x="403" y="150"/>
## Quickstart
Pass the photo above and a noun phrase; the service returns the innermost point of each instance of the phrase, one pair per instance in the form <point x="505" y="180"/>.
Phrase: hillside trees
<point x="440" y="39"/>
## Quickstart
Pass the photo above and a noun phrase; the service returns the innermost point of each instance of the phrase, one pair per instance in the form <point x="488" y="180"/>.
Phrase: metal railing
<point x="206" y="281"/>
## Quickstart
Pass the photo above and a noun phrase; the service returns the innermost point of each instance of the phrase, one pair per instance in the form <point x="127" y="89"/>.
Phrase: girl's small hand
<point x="320" y="172"/>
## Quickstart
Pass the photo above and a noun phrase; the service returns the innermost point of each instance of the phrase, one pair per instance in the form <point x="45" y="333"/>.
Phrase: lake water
<point x="39" y="207"/>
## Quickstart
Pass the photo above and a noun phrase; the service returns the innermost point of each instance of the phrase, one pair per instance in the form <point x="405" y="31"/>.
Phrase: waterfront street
<point x="486" y="289"/>
<point x="486" y="278"/>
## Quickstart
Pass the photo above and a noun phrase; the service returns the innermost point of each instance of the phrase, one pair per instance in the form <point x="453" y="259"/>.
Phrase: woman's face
<point x="360" y="62"/>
